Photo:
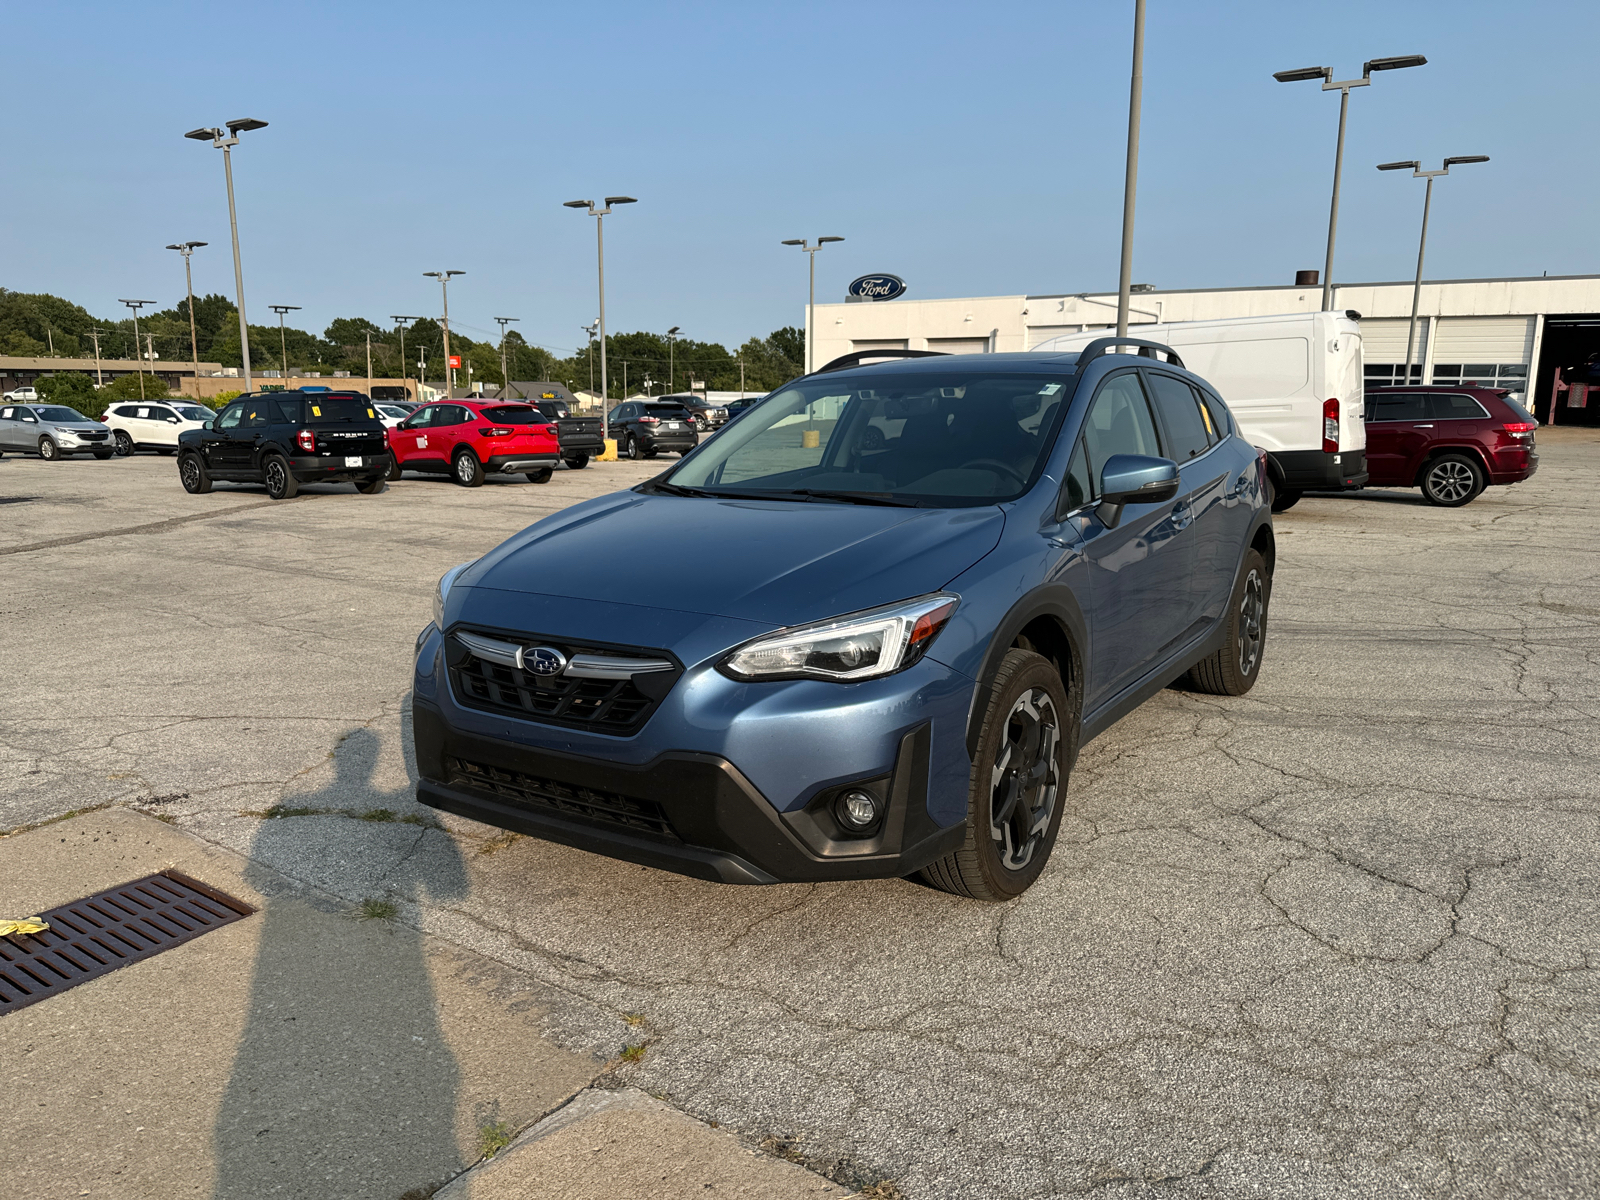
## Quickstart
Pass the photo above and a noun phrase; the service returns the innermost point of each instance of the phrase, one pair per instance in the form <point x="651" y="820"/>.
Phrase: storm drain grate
<point x="89" y="937"/>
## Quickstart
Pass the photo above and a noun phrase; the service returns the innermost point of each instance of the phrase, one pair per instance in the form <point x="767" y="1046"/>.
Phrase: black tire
<point x="280" y="480"/>
<point x="124" y="442"/>
<point x="541" y="476"/>
<point x="371" y="487"/>
<point x="48" y="450"/>
<point x="1233" y="670"/>
<point x="633" y="450"/>
<point x="577" y="462"/>
<point x="1026" y="717"/>
<point x="1452" y="480"/>
<point x="1285" y="500"/>
<point x="394" y="471"/>
<point x="102" y="455"/>
<point x="193" y="475"/>
<point x="465" y="468"/>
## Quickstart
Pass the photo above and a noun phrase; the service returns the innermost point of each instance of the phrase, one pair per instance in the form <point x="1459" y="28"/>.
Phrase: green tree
<point x="72" y="388"/>
<point x="791" y="343"/>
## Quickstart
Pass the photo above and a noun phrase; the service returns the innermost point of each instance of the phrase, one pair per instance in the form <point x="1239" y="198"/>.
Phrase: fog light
<point x="857" y="810"/>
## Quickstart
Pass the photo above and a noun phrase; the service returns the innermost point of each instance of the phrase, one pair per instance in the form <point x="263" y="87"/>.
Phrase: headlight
<point x="864" y="645"/>
<point x="445" y="580"/>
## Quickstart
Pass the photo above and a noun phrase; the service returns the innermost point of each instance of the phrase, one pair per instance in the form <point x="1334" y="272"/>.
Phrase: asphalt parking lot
<point x="1336" y="938"/>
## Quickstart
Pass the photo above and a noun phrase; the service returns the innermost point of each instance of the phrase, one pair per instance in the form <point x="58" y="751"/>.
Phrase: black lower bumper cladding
<point x="691" y="813"/>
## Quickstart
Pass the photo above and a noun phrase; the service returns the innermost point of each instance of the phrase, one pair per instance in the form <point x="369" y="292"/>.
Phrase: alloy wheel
<point x="463" y="468"/>
<point x="189" y="470"/>
<point x="1252" y="609"/>
<point x="124" y="444"/>
<point x="275" y="478"/>
<point x="1025" y="779"/>
<point x="1451" y="481"/>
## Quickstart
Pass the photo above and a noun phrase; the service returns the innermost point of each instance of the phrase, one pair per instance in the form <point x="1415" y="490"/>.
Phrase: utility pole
<point x="505" y="374"/>
<point x="186" y="249"/>
<point x="98" y="380"/>
<point x="136" y="305"/>
<point x="741" y="377"/>
<point x="811" y="302"/>
<point x="404" y="365"/>
<point x="672" y="375"/>
<point x="599" y="215"/>
<point x="280" y="309"/>
<point x="226" y="144"/>
<point x="369" y="364"/>
<point x="589" y="329"/>
<point x="444" y="286"/>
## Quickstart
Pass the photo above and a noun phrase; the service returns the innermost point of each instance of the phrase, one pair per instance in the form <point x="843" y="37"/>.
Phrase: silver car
<point x="52" y="431"/>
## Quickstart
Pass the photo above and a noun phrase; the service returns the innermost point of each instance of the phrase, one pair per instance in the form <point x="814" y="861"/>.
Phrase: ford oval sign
<point x="878" y="287"/>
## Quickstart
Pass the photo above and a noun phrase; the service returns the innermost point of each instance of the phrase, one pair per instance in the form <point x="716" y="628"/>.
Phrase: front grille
<point x="606" y="705"/>
<point x="92" y="437"/>
<point x="568" y="800"/>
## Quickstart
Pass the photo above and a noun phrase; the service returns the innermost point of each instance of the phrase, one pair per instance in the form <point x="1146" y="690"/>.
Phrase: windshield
<point x="516" y="414"/>
<point x="190" y="412"/>
<point x="326" y="410"/>
<point x="942" y="439"/>
<point x="56" y="412"/>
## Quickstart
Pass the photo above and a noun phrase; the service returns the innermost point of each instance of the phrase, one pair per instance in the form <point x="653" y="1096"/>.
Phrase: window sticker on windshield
<point x="1050" y="389"/>
<point x="315" y="411"/>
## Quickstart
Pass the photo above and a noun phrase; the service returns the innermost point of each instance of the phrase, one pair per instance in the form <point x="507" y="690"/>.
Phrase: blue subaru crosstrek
<point x="864" y="630"/>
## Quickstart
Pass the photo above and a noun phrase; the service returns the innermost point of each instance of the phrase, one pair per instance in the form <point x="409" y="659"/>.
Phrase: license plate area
<point x="352" y="460"/>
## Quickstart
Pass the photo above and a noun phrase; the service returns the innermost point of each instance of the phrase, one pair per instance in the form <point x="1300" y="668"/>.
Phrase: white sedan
<point x="154" y="426"/>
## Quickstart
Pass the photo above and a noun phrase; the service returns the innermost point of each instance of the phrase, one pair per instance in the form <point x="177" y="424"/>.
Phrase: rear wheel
<point x="48" y="450"/>
<point x="1452" y="480"/>
<point x="1282" y="501"/>
<point x="394" y="469"/>
<point x="541" y="476"/>
<point x="193" y="475"/>
<point x="1232" y="670"/>
<point x="124" y="443"/>
<point x="1018" y="784"/>
<point x="466" y="468"/>
<point x="280" y="481"/>
<point x="634" y="452"/>
<point x="577" y="462"/>
<point x="371" y="487"/>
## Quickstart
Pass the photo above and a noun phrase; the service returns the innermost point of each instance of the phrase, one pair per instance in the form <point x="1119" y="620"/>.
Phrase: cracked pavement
<point x="1335" y="938"/>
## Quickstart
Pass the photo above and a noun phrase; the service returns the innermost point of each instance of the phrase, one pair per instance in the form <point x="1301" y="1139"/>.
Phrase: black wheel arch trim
<point x="1055" y="602"/>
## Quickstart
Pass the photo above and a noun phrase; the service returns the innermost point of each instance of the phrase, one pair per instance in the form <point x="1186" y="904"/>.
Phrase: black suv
<point x="644" y="428"/>
<point x="581" y="438"/>
<point x="284" y="439"/>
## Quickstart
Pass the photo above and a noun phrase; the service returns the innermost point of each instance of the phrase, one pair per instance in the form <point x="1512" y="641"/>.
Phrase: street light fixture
<point x="599" y="215"/>
<point x="280" y="309"/>
<point x="811" y="304"/>
<point x="405" y="366"/>
<point x="1422" y="244"/>
<point x="1343" y="87"/>
<point x="226" y="144"/>
<point x="672" y="337"/>
<point x="136" y="305"/>
<point x="444" y="286"/>
<point x="505" y="375"/>
<point x="186" y="249"/>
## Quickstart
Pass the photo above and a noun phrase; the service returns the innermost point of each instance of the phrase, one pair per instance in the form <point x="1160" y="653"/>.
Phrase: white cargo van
<point x="1293" y="382"/>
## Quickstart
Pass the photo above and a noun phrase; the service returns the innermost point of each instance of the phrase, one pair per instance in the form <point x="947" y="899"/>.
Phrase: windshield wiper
<point x="672" y="489"/>
<point x="884" y="499"/>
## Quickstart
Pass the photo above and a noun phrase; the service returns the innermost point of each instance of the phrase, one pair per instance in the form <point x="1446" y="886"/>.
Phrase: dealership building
<point x="1510" y="333"/>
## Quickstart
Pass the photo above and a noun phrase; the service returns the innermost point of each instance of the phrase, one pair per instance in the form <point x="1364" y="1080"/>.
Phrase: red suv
<point x="467" y="439"/>
<point x="1452" y="442"/>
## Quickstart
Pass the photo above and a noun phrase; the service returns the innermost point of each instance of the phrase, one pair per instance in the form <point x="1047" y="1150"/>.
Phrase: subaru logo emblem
<point x="541" y="660"/>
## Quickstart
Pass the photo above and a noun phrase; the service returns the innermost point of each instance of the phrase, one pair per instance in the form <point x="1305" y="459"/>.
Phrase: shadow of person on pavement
<point x="343" y="1084"/>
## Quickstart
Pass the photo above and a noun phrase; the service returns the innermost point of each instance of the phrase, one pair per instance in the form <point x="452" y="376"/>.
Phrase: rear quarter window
<point x="326" y="410"/>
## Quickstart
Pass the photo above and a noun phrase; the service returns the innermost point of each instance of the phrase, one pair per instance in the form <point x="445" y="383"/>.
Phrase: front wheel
<point x="48" y="450"/>
<point x="124" y="443"/>
<point x="280" y="481"/>
<point x="102" y="455"/>
<point x="577" y="462"/>
<point x="1452" y="480"/>
<point x="1232" y="670"/>
<point x="468" y="471"/>
<point x="193" y="475"/>
<point x="1018" y="784"/>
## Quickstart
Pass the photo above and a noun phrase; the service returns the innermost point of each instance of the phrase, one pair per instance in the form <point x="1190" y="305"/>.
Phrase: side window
<point x="161" y="414"/>
<point x="127" y="410"/>
<point x="1079" y="487"/>
<point x="26" y="414"/>
<point x="257" y="414"/>
<point x="1454" y="408"/>
<point x="1181" y="414"/>
<point x="1119" y="422"/>
<point x="1221" y="420"/>
<point x="143" y="413"/>
<point x="5" y="413"/>
<point x="230" y="417"/>
<point x="1412" y="407"/>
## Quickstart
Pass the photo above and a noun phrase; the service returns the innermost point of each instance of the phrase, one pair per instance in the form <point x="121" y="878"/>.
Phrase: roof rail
<point x="1146" y="349"/>
<point x="854" y="359"/>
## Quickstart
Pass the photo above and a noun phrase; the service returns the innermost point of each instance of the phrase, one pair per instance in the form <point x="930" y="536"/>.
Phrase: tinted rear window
<point x="516" y="414"/>
<point x="1522" y="413"/>
<point x="326" y="410"/>
<point x="1454" y="407"/>
<point x="666" y="412"/>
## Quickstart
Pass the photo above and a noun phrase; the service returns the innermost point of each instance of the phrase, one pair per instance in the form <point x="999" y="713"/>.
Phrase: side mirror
<point x="172" y="420"/>
<point x="1134" y="479"/>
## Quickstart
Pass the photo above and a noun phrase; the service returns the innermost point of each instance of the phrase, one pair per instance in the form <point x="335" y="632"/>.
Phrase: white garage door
<point x="879" y="345"/>
<point x="959" y="345"/>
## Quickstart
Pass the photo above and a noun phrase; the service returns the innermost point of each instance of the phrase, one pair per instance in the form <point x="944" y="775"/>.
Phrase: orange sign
<point x="455" y="360"/>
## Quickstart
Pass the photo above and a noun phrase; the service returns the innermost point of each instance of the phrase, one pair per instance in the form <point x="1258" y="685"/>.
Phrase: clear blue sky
<point x="973" y="150"/>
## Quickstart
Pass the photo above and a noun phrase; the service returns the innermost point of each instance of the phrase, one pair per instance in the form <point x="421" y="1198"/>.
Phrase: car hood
<point x="771" y="562"/>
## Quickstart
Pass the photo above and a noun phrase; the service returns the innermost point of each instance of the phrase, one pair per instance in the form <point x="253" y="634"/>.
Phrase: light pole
<point x="1130" y="179"/>
<point x="599" y="215"/>
<point x="505" y="376"/>
<point x="672" y="336"/>
<point x="283" y="343"/>
<point x="812" y="302"/>
<point x="186" y="249"/>
<point x="444" y="286"/>
<point x="1343" y="88"/>
<point x="589" y="329"/>
<point x="225" y="144"/>
<point x="136" y="305"/>
<point x="1422" y="244"/>
<point x="404" y="365"/>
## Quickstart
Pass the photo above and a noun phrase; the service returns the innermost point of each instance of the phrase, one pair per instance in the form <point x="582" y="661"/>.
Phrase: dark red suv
<point x="466" y="439"/>
<point x="1451" y="442"/>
